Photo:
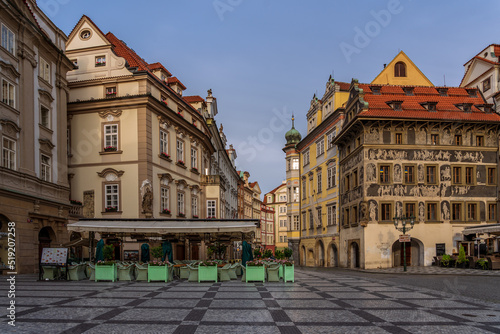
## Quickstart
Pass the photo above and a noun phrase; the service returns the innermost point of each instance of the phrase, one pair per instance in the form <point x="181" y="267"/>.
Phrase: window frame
<point x="49" y="116"/>
<point x="400" y="70"/>
<point x="320" y="147"/>
<point x="45" y="167"/>
<point x="211" y="206"/>
<point x="107" y="196"/>
<point x="194" y="206"/>
<point x="98" y="61"/>
<point x="436" y="176"/>
<point x="460" y="207"/>
<point x="473" y="179"/>
<point x="398" y="138"/>
<point x="458" y="174"/>
<point x="468" y="206"/>
<point x="405" y="209"/>
<point x="194" y="158"/>
<point x="10" y="90"/>
<point x="491" y="176"/>
<point x="10" y="153"/>
<point x="428" y="211"/>
<point x="414" y="176"/>
<point x="387" y="175"/>
<point x="44" y="70"/>
<point x="165" y="198"/>
<point x="295" y="163"/>
<point x="386" y="216"/>
<point x="181" y="203"/>
<point x="112" y="134"/>
<point x="164" y="142"/>
<point x="492" y="207"/>
<point x="179" y="150"/>
<point x="11" y="39"/>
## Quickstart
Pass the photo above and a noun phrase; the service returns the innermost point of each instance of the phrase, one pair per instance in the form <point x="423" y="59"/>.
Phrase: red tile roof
<point x="159" y="66"/>
<point x="33" y="14"/>
<point x="174" y="80"/>
<point x="413" y="108"/>
<point x="122" y="50"/>
<point x="344" y="86"/>
<point x="193" y="99"/>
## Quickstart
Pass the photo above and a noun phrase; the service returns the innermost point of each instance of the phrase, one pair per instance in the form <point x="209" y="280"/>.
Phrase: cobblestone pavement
<point x="433" y="270"/>
<point x="318" y="302"/>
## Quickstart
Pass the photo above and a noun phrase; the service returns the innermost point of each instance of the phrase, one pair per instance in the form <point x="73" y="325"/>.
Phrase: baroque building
<point x="277" y="200"/>
<point x="34" y="187"/>
<point x="424" y="152"/>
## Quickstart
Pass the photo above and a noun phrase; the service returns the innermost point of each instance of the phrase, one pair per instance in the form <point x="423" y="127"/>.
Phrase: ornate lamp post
<point x="404" y="229"/>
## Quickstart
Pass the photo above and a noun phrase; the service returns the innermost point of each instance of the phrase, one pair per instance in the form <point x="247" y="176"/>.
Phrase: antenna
<point x="444" y="79"/>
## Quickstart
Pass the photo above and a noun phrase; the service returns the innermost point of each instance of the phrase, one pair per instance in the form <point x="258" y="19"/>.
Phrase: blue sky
<point x="265" y="59"/>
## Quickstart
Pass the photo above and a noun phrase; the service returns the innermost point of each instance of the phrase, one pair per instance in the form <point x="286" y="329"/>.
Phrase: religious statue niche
<point x="88" y="204"/>
<point x="397" y="174"/>
<point x="421" y="211"/>
<point x="363" y="212"/>
<point x="373" y="210"/>
<point x="445" y="210"/>
<point x="371" y="173"/>
<point x="361" y="174"/>
<point x="421" y="137"/>
<point x="421" y="173"/>
<point x="399" y="209"/>
<point x="147" y="197"/>
<point x="447" y="137"/>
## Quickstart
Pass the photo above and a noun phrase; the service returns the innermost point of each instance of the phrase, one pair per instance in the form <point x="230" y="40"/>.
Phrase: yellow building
<point x="401" y="71"/>
<point x="277" y="199"/>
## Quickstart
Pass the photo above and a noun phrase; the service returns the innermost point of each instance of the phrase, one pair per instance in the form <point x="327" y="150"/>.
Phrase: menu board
<point x="54" y="256"/>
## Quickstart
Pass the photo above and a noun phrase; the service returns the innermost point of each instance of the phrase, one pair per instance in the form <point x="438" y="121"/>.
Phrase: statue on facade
<point x="363" y="214"/>
<point x="147" y="201"/>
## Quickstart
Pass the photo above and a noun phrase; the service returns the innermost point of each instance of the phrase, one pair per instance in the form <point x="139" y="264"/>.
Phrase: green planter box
<point x="281" y="271"/>
<point x="256" y="273"/>
<point x="207" y="273"/>
<point x="289" y="273"/>
<point x="157" y="273"/>
<point x="105" y="273"/>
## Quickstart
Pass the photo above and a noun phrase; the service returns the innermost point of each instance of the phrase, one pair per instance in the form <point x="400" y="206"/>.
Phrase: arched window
<point x="400" y="69"/>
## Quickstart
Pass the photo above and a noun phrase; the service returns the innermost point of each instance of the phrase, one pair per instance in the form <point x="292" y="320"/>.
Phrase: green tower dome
<point x="293" y="136"/>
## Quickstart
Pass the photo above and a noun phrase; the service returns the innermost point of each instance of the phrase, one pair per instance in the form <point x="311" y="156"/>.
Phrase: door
<point x="408" y="253"/>
<point x="180" y="252"/>
<point x="195" y="254"/>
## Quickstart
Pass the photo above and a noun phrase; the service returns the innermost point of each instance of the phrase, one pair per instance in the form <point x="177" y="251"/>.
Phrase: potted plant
<point x="165" y="155"/>
<point x="182" y="214"/>
<point x="288" y="270"/>
<point x="255" y="271"/>
<point x="165" y="211"/>
<point x="257" y="253"/>
<point x="180" y="162"/>
<point x="110" y="149"/>
<point x="462" y="260"/>
<point x="157" y="269"/>
<point x="111" y="209"/>
<point x="287" y="252"/>
<point x="445" y="260"/>
<point x="106" y="270"/>
<point x="482" y="264"/>
<point x="267" y="253"/>
<point x="207" y="271"/>
<point x="75" y="202"/>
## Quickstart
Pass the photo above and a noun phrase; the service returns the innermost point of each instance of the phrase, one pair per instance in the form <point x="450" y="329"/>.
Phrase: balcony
<point x="210" y="179"/>
<point x="76" y="210"/>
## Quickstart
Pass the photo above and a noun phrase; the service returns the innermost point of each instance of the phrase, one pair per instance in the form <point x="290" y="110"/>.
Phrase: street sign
<point x="404" y="238"/>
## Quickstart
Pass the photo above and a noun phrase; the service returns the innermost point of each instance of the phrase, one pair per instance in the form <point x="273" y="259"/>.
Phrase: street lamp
<point x="404" y="229"/>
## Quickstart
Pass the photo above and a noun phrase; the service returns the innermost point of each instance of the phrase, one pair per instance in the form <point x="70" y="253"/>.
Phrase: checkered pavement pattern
<point x="318" y="302"/>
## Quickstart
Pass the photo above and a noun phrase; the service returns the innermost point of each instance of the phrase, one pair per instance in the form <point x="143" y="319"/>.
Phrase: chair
<point x="170" y="272"/>
<point x="76" y="272"/>
<point x="232" y="271"/>
<point x="91" y="271"/>
<point x="193" y="273"/>
<point x="50" y="272"/>
<point x="273" y="273"/>
<point x="224" y="273"/>
<point x="141" y="272"/>
<point x="126" y="272"/>
<point x="244" y="274"/>
<point x="239" y="271"/>
<point x="184" y="272"/>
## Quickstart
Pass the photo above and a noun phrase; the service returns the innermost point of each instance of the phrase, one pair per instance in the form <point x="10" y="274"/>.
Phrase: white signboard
<point x="404" y="238"/>
<point x="55" y="256"/>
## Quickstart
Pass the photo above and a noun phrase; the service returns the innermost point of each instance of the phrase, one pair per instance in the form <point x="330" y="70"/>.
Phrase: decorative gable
<point x="86" y="35"/>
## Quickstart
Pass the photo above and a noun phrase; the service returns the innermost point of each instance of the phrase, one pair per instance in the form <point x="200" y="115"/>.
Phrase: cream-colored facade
<point x="34" y="188"/>
<point x="138" y="148"/>
<point x="277" y="199"/>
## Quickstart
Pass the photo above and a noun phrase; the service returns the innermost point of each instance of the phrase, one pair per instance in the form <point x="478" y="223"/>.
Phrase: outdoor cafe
<point x="160" y="249"/>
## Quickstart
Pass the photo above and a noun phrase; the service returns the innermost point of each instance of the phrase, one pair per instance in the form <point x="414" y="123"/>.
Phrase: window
<point x="471" y="211"/>
<point x="431" y="174"/>
<point x="311" y="219"/>
<point x="194" y="158"/>
<point x="354" y="214"/>
<point x="431" y="106"/>
<point x="288" y="165"/>
<point x="397" y="106"/>
<point x="479" y="141"/>
<point x="111" y="91"/>
<point x="329" y="139"/>
<point x="330" y="175"/>
<point x="432" y="211"/>
<point x="180" y="150"/>
<point x="75" y="63"/>
<point x="306" y="157"/>
<point x="164" y="143"/>
<point x="458" y="140"/>
<point x="399" y="138"/>
<point x="408" y="91"/>
<point x="410" y="209"/>
<point x="304" y="220"/>
<point x="347" y="183"/>
<point x="492" y="211"/>
<point x="8" y="153"/>
<point x="8" y="93"/>
<point x="45" y="117"/>
<point x="386" y="211"/>
<point x="320" y="216"/>
<point x="194" y="206"/>
<point x="384" y="174"/>
<point x="8" y="39"/>
<point x="486" y="84"/>
<point x="304" y="188"/>
<point x="443" y="91"/>
<point x="45" y="168"/>
<point x="409" y="172"/>
<point x="400" y="69"/>
<point x="492" y="175"/>
<point x="355" y="178"/>
<point x="457" y="175"/>
<point x="456" y="211"/>
<point x="295" y="194"/>
<point x="282" y="209"/>
<point x="111" y="137"/>
<point x="211" y="209"/>
<point x="111" y="197"/>
<point x="320" y="181"/>
<point x="44" y="70"/>
<point x="180" y="204"/>
<point x="295" y="163"/>
<point x="100" y="61"/>
<point x="434" y="139"/>
<point x="320" y="147"/>
<point x="347" y="217"/>
<point x="469" y="175"/>
<point x="165" y="199"/>
<point x="331" y="215"/>
<point x="296" y="223"/>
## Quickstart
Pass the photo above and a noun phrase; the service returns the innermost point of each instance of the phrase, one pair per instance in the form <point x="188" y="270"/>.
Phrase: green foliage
<point x="107" y="252"/>
<point x="157" y="252"/>
<point x="257" y="253"/>
<point x="288" y="252"/>
<point x="279" y="255"/>
<point x="218" y="249"/>
<point x="461" y="256"/>
<point x="445" y="260"/>
<point x="483" y="263"/>
<point x="267" y="253"/>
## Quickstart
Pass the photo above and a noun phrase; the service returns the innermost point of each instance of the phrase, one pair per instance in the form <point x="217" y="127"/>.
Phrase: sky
<point x="265" y="59"/>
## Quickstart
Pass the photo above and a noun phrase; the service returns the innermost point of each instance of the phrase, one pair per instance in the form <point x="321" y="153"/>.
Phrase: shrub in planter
<point x="257" y="253"/>
<point x="482" y="264"/>
<point x="267" y="253"/>
<point x="445" y="260"/>
<point x="107" y="252"/>
<point x="157" y="252"/>
<point x="462" y="261"/>
<point x="288" y="252"/>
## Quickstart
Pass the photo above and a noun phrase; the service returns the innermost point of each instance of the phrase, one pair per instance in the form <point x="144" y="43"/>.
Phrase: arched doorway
<point x="304" y="256"/>
<point x="45" y="237"/>
<point x="320" y="250"/>
<point x="333" y="256"/>
<point x="354" y="255"/>
<point x="414" y="253"/>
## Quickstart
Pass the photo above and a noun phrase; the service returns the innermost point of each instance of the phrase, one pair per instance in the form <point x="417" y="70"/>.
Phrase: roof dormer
<point x="429" y="105"/>
<point x="395" y="105"/>
<point x="176" y="85"/>
<point x="466" y="107"/>
<point x="409" y="91"/>
<point x="443" y="91"/>
<point x="487" y="107"/>
<point x="472" y="92"/>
